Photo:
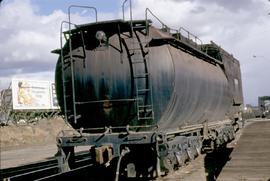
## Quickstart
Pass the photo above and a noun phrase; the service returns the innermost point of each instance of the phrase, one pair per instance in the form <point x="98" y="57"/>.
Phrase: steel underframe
<point x="115" y="141"/>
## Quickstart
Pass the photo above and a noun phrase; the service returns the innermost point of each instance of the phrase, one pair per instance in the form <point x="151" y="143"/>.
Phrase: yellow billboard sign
<point x="30" y="94"/>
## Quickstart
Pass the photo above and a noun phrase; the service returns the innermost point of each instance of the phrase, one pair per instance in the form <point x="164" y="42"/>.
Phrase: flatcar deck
<point x="250" y="160"/>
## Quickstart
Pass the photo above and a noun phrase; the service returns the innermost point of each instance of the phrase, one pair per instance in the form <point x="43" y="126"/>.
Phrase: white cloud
<point x="26" y="41"/>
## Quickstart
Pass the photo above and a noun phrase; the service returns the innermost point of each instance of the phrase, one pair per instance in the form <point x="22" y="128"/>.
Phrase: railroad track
<point x="45" y="170"/>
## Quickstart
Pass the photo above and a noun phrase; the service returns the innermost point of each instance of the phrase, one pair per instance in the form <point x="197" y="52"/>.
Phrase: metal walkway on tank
<point x="250" y="160"/>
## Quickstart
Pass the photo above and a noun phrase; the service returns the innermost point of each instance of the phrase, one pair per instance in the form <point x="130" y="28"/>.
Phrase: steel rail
<point x="41" y="169"/>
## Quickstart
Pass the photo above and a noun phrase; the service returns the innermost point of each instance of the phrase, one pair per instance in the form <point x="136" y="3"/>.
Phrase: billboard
<point x="31" y="94"/>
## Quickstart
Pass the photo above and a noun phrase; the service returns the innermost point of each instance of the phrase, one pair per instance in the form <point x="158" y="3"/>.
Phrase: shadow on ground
<point x="215" y="161"/>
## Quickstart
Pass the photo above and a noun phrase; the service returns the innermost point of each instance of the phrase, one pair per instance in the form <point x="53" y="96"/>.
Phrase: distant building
<point x="264" y="102"/>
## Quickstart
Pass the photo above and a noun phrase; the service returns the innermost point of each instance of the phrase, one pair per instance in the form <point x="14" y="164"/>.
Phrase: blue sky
<point x="46" y="7"/>
<point x="30" y="30"/>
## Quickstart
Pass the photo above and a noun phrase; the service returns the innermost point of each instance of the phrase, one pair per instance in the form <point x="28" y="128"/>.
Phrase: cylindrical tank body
<point x="185" y="89"/>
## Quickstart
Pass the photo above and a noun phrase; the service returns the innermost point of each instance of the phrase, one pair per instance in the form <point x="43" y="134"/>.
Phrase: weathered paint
<point x="186" y="89"/>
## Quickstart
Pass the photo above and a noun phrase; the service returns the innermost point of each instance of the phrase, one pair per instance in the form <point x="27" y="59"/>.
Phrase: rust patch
<point x="107" y="106"/>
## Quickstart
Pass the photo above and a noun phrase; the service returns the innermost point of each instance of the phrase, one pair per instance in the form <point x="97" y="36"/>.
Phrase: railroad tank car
<point x="133" y="81"/>
<point x="151" y="93"/>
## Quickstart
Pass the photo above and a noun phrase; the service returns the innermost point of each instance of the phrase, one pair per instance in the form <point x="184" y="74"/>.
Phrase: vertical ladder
<point x="139" y="60"/>
<point x="67" y="83"/>
<point x="141" y="75"/>
<point x="66" y="62"/>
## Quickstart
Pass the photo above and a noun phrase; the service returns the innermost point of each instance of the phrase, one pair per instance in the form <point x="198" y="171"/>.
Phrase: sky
<point x="30" y="29"/>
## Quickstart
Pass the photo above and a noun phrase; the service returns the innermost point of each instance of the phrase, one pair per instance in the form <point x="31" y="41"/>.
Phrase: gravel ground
<point x="250" y="160"/>
<point x="22" y="144"/>
<point x="22" y="136"/>
<point x="23" y="156"/>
